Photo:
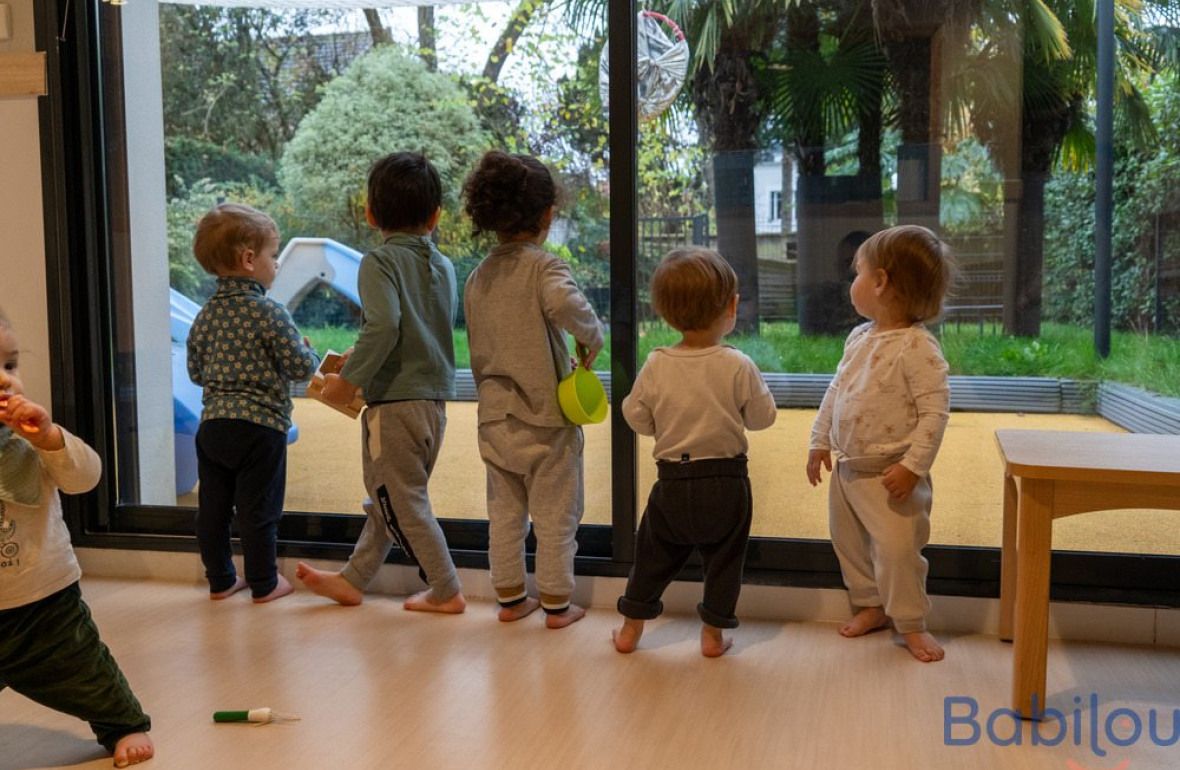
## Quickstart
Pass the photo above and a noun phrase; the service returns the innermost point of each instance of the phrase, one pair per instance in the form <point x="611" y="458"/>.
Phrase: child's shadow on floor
<point x="28" y="746"/>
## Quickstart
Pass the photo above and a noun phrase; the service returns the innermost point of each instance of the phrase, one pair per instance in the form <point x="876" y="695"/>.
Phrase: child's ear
<point x="880" y="281"/>
<point x="434" y="218"/>
<point x="246" y="259"/>
<point x="372" y="220"/>
<point x="547" y="218"/>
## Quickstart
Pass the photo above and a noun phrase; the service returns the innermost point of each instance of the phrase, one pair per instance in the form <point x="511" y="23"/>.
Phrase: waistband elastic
<point x="734" y="467"/>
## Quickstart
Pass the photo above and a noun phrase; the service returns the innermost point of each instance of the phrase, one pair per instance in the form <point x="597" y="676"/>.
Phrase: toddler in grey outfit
<point x="404" y="364"/>
<point x="518" y="303"/>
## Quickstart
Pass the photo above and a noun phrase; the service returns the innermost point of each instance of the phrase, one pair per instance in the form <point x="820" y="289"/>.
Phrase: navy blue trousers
<point x="243" y="471"/>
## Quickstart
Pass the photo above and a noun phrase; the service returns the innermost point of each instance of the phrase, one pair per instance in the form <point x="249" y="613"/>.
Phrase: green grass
<point x="1151" y="362"/>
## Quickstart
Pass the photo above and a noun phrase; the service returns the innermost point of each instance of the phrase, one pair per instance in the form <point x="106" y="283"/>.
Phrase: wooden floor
<point x="378" y="687"/>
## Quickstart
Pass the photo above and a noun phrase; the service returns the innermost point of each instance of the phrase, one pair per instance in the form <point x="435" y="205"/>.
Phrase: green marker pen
<point x="259" y="716"/>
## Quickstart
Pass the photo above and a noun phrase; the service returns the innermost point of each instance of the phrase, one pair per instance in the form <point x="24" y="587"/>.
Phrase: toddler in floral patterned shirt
<point x="245" y="351"/>
<point x="882" y="418"/>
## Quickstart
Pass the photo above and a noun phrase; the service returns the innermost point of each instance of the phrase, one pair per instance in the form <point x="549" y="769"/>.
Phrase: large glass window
<point x="803" y="128"/>
<point x="780" y="134"/>
<point x="284" y="108"/>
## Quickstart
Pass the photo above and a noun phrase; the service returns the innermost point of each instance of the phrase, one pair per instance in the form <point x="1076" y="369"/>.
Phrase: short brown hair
<point x="692" y="287"/>
<point x="225" y="231"/>
<point x="404" y="191"/>
<point x="919" y="264"/>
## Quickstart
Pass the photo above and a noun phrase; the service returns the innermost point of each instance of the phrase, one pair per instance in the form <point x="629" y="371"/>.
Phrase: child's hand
<point x="338" y="390"/>
<point x="899" y="480"/>
<point x="586" y="356"/>
<point x="30" y="421"/>
<point x="815" y="458"/>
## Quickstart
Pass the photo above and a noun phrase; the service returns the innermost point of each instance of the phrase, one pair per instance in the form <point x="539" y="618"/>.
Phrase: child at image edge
<point x="518" y="301"/>
<point x="244" y="351"/>
<point x="404" y="364"/>
<point x="882" y="418"/>
<point x="50" y="650"/>
<point x="697" y="398"/>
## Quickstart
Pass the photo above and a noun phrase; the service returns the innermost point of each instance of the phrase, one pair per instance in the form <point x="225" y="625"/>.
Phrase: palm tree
<point x="828" y="81"/>
<point x="726" y="36"/>
<point x="1058" y="68"/>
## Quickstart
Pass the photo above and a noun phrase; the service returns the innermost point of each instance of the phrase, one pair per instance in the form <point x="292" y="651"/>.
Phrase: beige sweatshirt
<point x="518" y="302"/>
<point x="36" y="558"/>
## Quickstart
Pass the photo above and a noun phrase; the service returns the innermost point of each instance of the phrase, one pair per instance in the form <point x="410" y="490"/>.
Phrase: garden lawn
<point x="1151" y="361"/>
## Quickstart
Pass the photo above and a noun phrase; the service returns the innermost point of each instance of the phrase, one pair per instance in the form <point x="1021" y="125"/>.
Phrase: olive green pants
<point x="50" y="653"/>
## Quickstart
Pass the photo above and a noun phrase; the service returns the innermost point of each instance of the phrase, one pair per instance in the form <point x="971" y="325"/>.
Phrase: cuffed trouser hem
<point x="715" y="620"/>
<point x="909" y="626"/>
<point x="553" y="604"/>
<point x="354" y="578"/>
<point x="510" y="597"/>
<point x="629" y="608"/>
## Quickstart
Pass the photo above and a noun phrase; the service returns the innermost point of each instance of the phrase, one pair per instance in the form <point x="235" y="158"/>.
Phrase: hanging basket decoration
<point x="662" y="64"/>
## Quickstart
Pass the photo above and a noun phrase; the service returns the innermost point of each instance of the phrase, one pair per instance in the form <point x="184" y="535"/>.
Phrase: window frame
<point x="82" y="222"/>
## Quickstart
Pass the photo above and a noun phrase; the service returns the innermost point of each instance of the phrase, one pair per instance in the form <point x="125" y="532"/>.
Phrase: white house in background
<point x="768" y="194"/>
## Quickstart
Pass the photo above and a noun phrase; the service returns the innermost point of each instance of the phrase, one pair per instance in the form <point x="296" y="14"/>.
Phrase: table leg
<point x="1008" y="560"/>
<point x="1031" y="638"/>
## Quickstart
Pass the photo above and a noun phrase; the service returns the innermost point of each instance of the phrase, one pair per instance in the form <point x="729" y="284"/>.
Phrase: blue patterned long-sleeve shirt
<point x="245" y="351"/>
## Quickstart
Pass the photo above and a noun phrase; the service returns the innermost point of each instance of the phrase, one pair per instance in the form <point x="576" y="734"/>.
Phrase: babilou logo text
<point x="1088" y="724"/>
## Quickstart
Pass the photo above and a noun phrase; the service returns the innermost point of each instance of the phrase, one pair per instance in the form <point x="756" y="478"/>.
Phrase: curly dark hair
<point x="509" y="193"/>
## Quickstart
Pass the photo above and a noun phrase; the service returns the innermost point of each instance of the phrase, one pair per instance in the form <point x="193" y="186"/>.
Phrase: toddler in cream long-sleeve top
<point x="882" y="418"/>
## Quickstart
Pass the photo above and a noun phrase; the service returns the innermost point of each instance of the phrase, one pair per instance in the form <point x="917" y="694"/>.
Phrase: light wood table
<point x="1062" y="473"/>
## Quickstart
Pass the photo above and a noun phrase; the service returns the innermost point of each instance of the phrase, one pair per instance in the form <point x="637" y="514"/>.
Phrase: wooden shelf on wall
<point x="22" y="73"/>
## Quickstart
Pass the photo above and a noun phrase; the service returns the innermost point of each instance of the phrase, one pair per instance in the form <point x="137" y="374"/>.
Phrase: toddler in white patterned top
<point x="882" y="421"/>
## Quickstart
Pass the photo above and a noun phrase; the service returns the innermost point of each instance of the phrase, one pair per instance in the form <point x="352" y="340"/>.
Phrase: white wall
<point x="22" y="231"/>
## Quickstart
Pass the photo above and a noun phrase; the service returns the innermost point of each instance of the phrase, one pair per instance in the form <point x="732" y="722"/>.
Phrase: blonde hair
<point x="227" y="230"/>
<point x="919" y="264"/>
<point x="692" y="287"/>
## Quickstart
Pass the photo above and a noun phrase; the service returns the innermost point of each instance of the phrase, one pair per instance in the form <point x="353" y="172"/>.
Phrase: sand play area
<point x="325" y="476"/>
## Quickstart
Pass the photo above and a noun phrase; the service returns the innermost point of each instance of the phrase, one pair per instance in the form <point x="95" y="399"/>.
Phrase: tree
<point x="386" y="101"/>
<point x="826" y="81"/>
<point x="1058" y="70"/>
<point x="377" y="29"/>
<point x="241" y="78"/>
<point x="727" y="36"/>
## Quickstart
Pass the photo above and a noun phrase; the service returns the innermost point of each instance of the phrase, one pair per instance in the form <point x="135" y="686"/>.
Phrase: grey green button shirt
<point x="405" y="351"/>
<point x="245" y="351"/>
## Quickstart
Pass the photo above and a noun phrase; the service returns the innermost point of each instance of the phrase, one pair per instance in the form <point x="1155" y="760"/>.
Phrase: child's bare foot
<point x="330" y="585"/>
<point x="281" y="589"/>
<point x="713" y="642"/>
<point x="133" y="749"/>
<point x="239" y="584"/>
<point x="518" y="611"/>
<point x="626" y="637"/>
<point x="570" y="615"/>
<point x="424" y="601"/>
<point x="866" y="620"/>
<point x="923" y="646"/>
